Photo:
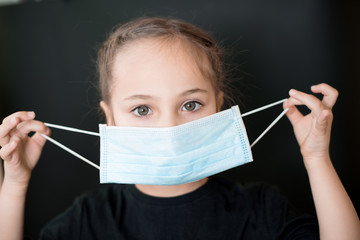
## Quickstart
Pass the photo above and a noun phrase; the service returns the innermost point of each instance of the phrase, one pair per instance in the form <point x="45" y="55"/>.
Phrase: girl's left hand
<point x="313" y="130"/>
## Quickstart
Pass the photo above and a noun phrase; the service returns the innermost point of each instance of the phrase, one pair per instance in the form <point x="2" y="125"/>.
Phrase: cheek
<point x="115" y="116"/>
<point x="122" y="119"/>
<point x="211" y="110"/>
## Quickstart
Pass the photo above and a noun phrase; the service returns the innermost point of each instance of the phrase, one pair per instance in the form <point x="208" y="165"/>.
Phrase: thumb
<point x="40" y="140"/>
<point x="294" y="115"/>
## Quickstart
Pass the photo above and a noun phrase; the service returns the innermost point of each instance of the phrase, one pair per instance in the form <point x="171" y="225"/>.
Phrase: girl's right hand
<point x="19" y="151"/>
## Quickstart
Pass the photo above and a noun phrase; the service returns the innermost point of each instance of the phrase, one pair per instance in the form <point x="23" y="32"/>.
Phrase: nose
<point x="169" y="119"/>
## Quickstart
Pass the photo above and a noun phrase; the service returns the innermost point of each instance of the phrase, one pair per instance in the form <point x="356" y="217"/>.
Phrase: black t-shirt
<point x="218" y="210"/>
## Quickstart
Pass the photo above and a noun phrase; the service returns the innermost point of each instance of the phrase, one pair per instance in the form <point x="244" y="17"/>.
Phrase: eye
<point x="142" y="111"/>
<point x="191" y="106"/>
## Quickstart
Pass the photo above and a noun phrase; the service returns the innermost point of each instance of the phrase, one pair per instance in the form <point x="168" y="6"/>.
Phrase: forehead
<point x="148" y="64"/>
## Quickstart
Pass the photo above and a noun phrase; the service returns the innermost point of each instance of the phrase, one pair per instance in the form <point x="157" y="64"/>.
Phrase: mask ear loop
<point x="270" y="126"/>
<point x="68" y="149"/>
<point x="72" y="129"/>
<point x="273" y="123"/>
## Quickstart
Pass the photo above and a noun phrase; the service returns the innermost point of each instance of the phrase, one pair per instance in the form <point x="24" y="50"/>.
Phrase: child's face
<point x="157" y="84"/>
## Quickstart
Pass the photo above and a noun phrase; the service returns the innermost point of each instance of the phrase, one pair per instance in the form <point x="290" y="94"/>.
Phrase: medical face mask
<point x="172" y="155"/>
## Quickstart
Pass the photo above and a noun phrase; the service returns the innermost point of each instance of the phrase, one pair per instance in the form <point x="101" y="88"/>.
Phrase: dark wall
<point x="47" y="53"/>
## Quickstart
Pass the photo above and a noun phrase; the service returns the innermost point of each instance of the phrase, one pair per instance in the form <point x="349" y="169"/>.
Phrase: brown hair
<point x="205" y="48"/>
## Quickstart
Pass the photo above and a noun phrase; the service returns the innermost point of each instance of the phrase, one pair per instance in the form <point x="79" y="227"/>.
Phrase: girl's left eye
<point x="191" y="106"/>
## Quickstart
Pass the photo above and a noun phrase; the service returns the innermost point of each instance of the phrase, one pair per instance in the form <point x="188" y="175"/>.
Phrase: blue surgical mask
<point x="173" y="155"/>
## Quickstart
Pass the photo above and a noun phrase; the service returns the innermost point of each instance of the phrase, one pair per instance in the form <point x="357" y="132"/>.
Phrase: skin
<point x="140" y="80"/>
<point x="161" y="82"/>
<point x="336" y="214"/>
<point x="20" y="154"/>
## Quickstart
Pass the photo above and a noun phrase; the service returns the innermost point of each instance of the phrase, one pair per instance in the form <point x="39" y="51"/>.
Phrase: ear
<point x="108" y="113"/>
<point x="219" y="101"/>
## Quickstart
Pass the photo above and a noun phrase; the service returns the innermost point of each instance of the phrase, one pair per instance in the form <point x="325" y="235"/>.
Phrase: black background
<point x="47" y="53"/>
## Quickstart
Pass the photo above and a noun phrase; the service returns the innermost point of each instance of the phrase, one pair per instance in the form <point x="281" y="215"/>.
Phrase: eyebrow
<point x="138" y="96"/>
<point x="195" y="90"/>
<point x="186" y="93"/>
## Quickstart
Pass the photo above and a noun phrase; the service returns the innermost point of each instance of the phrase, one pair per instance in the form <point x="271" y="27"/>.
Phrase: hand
<point x="19" y="151"/>
<point x="313" y="130"/>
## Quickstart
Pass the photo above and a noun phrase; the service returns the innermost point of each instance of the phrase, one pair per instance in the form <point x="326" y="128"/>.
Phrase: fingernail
<point x="31" y="114"/>
<point x="292" y="92"/>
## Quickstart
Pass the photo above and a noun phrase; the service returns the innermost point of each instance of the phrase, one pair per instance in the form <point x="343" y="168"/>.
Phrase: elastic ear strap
<point x="70" y="151"/>
<point x="72" y="129"/>
<point x="270" y="126"/>
<point x="263" y="108"/>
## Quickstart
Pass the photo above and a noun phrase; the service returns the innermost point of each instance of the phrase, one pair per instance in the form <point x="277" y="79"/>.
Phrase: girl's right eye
<point x="142" y="111"/>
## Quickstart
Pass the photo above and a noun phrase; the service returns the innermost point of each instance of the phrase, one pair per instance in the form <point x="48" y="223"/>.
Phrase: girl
<point x="160" y="73"/>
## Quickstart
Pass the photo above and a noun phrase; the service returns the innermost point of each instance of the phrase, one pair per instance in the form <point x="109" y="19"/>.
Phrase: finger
<point x="40" y="140"/>
<point x="293" y="114"/>
<point x="22" y="115"/>
<point x="310" y="101"/>
<point x="26" y="127"/>
<point x="5" y="129"/>
<point x="330" y="94"/>
<point x="11" y="122"/>
<point x="8" y="149"/>
<point x="291" y="102"/>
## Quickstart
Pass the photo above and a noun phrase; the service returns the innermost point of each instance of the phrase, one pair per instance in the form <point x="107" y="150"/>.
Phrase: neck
<point x="170" y="191"/>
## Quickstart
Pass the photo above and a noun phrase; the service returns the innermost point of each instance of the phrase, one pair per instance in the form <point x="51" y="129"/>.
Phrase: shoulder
<point x="259" y="193"/>
<point x="268" y="212"/>
<point x="261" y="200"/>
<point x="265" y="195"/>
<point x="89" y="209"/>
<point x="106" y="198"/>
<point x="269" y="204"/>
<point x="105" y="195"/>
